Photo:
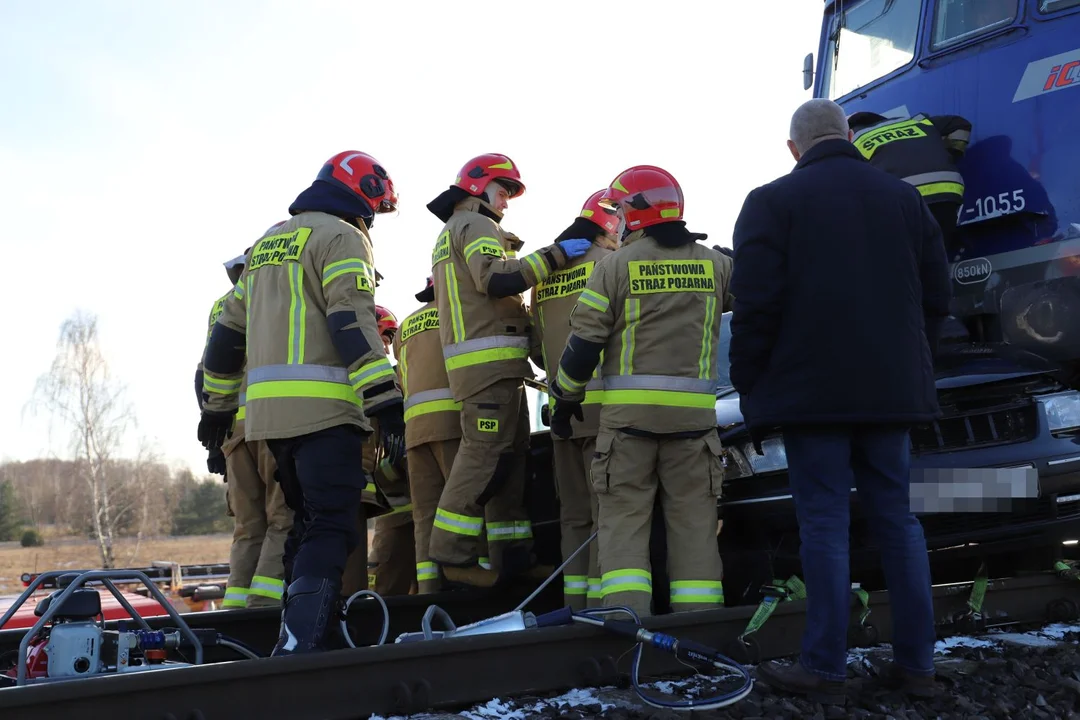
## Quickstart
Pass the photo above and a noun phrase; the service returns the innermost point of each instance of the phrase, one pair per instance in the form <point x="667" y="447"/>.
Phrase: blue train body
<point x="1012" y="68"/>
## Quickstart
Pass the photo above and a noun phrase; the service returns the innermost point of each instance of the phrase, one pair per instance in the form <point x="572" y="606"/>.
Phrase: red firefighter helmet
<point x="602" y="214"/>
<point x="386" y="321"/>
<point x="474" y="177"/>
<point x="363" y="176"/>
<point x="647" y="195"/>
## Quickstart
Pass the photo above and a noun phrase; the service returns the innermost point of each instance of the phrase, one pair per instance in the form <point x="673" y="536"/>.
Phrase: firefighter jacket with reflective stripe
<point x="431" y="413"/>
<point x="479" y="281"/>
<point x="552" y="302"/>
<point x="654" y="312"/>
<point x="920" y="150"/>
<point x="238" y="421"/>
<point x="314" y="356"/>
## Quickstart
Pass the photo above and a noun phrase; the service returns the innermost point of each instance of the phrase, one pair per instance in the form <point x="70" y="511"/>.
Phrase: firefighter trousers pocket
<point x="715" y="451"/>
<point x="491" y="415"/>
<point x="601" y="463"/>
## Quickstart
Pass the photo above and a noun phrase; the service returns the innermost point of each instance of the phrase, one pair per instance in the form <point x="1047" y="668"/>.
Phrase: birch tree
<point x="80" y="392"/>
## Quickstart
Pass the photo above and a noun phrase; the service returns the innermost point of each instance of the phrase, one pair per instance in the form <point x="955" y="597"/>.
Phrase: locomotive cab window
<point x="867" y="41"/>
<point x="1049" y="6"/>
<point x="958" y="20"/>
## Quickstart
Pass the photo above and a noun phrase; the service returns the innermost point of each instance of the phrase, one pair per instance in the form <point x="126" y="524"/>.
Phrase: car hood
<point x="976" y="365"/>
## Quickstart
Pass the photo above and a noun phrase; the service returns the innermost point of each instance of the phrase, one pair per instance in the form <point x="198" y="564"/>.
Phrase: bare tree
<point x="79" y="391"/>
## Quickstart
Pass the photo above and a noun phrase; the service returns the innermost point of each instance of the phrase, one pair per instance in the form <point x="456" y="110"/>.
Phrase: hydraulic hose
<point x="345" y="614"/>
<point x="689" y="653"/>
<point x="237" y="646"/>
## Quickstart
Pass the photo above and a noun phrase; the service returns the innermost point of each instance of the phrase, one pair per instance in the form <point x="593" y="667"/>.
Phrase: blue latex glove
<point x="575" y="247"/>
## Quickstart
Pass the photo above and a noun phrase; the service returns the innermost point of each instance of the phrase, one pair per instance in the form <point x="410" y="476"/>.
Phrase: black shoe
<point x="798" y="680"/>
<point x="306" y="615"/>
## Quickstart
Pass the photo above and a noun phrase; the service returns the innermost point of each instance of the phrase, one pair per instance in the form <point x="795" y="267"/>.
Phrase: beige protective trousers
<point x="577" y="520"/>
<point x="627" y="473"/>
<point x="261" y="523"/>
<point x="486" y="486"/>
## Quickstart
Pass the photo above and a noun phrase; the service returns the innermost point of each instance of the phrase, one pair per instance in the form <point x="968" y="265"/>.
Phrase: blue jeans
<point x="824" y="463"/>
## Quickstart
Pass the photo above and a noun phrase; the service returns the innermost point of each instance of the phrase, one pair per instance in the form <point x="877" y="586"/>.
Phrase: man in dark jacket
<point x="841" y="285"/>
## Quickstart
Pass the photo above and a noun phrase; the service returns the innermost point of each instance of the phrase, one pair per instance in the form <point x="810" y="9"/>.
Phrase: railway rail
<point x="414" y="677"/>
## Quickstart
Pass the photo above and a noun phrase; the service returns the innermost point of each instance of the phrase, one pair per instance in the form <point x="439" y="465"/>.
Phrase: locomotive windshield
<point x="867" y="41"/>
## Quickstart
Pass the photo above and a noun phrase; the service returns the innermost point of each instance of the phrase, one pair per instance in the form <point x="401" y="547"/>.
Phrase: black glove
<point x="215" y="462"/>
<point x="215" y="428"/>
<point x="392" y="428"/>
<point x="724" y="251"/>
<point x="560" y="418"/>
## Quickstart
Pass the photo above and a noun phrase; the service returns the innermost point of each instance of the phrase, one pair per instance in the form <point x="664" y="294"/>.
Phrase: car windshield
<point x="723" y="366"/>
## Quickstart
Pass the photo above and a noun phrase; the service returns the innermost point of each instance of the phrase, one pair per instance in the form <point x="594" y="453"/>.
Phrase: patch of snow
<point x="1029" y="639"/>
<point x="857" y="656"/>
<point x="1058" y="631"/>
<point x="946" y="646"/>
<point x="495" y="709"/>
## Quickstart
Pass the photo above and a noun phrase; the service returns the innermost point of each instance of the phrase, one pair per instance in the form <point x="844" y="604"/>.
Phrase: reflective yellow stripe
<point x="403" y="365"/>
<point x="594" y="300"/>
<point x="479" y="244"/>
<point x="241" y="413"/>
<point x="432" y="407"/>
<point x="626" y="580"/>
<point x="370" y="488"/>
<point x="457" y="320"/>
<point x="537" y="265"/>
<point x="697" y="591"/>
<point x="367" y="374"/>
<point x="511" y="530"/>
<point x="247" y="312"/>
<point x="666" y="398"/>
<point x="267" y="587"/>
<point x="458" y="524"/>
<point x="221" y="386"/>
<point x="484" y="562"/>
<point x="485" y="356"/>
<point x="407" y="507"/>
<point x="568" y="383"/>
<point x="321" y="389"/>
<point x="632" y="314"/>
<point x="706" y="365"/>
<point x="349" y="266"/>
<point x="942" y="188"/>
<point x="594" y="589"/>
<point x="235" y="597"/>
<point x="297" y="314"/>
<point x="426" y="571"/>
<point x="575" y="584"/>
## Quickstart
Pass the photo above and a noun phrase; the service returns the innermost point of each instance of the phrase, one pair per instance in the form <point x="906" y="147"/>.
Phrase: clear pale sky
<point x="142" y="144"/>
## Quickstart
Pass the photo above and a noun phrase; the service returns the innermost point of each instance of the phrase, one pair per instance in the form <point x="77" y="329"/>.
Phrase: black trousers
<point x="322" y="478"/>
<point x="945" y="214"/>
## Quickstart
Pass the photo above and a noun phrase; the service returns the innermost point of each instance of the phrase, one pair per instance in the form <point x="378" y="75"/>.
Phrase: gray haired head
<point x="814" y="121"/>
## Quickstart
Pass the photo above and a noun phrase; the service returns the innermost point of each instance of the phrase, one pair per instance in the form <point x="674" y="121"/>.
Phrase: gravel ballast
<point x="1034" y="674"/>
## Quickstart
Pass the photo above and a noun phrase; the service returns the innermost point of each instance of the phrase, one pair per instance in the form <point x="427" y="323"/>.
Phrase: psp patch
<point x="487" y="425"/>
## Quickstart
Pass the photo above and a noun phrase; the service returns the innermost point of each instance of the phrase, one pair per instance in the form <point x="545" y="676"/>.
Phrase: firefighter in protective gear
<point x="923" y="151"/>
<point x="432" y="428"/>
<point x="485" y="334"/>
<point x="261" y="519"/>
<point x="316" y="373"/>
<point x="391" y="564"/>
<point x="652" y="312"/>
<point x="573" y="443"/>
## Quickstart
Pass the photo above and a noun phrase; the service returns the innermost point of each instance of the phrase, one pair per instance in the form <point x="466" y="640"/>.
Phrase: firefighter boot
<point x="307" y="613"/>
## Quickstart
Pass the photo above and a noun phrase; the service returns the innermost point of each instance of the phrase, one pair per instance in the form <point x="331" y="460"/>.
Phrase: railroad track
<point x="413" y="677"/>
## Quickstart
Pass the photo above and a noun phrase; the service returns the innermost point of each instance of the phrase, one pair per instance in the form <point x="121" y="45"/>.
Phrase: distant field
<point x="77" y="553"/>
